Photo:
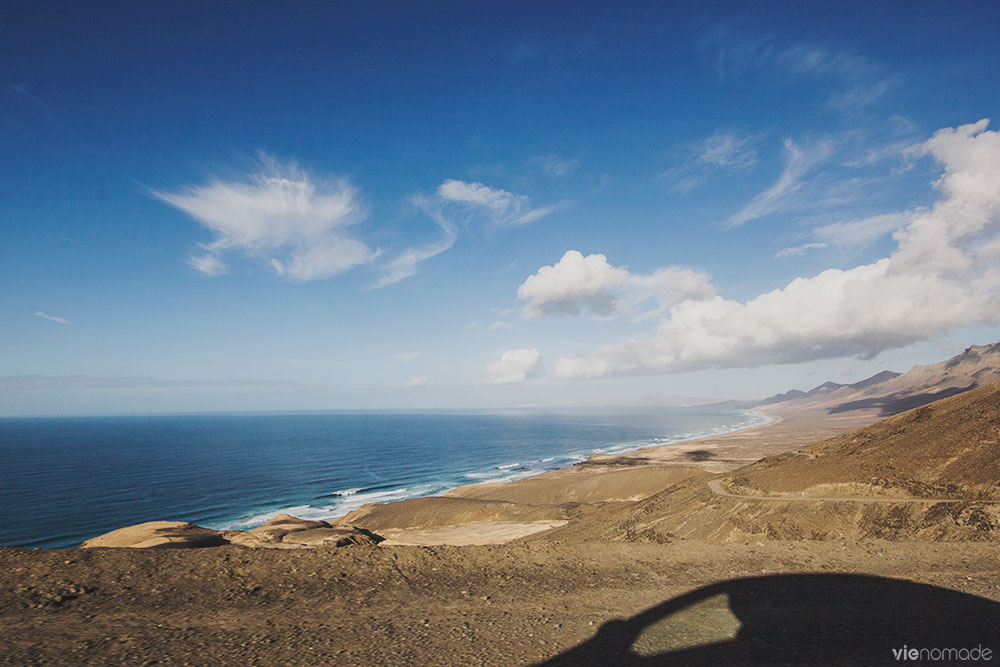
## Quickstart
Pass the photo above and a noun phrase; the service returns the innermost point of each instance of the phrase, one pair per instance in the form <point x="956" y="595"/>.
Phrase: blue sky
<point x="440" y="205"/>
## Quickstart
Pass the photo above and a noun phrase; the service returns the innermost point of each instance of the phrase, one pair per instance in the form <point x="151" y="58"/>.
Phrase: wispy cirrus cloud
<point x="208" y="264"/>
<point x="799" y="162"/>
<point x="52" y="318"/>
<point x="466" y="203"/>
<point x="301" y="226"/>
<point x="864" y="230"/>
<point x="725" y="150"/>
<point x="405" y="264"/>
<point x="498" y="207"/>
<point x="854" y="81"/>
<point x="729" y="150"/>
<point x="799" y="249"/>
<point x="554" y="165"/>
<point x="852" y="233"/>
<point x="296" y="224"/>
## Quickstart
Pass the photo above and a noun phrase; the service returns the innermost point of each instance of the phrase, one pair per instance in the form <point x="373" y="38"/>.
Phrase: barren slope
<point x="948" y="450"/>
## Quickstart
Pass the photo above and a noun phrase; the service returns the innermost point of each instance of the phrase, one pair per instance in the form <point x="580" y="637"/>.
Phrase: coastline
<point x="392" y="496"/>
<point x="500" y="512"/>
<point x="559" y="594"/>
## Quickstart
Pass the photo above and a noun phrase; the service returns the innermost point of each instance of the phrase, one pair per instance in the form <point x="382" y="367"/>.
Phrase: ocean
<point x="64" y="480"/>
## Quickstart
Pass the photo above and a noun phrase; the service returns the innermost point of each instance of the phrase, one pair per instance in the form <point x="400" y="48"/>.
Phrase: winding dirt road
<point x="715" y="485"/>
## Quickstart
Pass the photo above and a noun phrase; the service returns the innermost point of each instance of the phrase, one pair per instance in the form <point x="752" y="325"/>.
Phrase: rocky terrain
<point x="806" y="541"/>
<point x="516" y="604"/>
<point x="932" y="473"/>
<point x="890" y="393"/>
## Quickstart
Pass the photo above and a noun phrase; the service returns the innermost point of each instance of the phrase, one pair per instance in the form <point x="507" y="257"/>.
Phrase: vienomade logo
<point x="965" y="654"/>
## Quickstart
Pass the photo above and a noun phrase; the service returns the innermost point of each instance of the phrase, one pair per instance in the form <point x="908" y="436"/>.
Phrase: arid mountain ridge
<point x="889" y="392"/>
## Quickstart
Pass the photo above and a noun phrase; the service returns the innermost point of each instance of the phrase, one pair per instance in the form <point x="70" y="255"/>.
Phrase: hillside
<point x="950" y="448"/>
<point x="929" y="473"/>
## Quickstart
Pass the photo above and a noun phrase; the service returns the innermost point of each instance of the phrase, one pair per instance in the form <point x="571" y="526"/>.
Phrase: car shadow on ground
<point x="801" y="619"/>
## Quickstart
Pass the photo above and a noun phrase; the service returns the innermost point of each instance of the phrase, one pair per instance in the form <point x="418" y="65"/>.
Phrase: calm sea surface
<point x="63" y="480"/>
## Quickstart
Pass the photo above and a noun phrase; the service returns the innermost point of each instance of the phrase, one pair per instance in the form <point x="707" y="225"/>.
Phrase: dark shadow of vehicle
<point x="808" y="619"/>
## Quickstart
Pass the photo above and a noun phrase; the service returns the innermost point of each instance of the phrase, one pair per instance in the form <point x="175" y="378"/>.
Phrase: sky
<point x="320" y="206"/>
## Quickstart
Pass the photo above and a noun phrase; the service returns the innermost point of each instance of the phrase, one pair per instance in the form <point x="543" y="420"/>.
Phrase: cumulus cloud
<point x="52" y="318"/>
<point x="943" y="274"/>
<point x="298" y="226"/>
<point x="578" y="283"/>
<point x="417" y="382"/>
<point x="500" y="324"/>
<point x="515" y="366"/>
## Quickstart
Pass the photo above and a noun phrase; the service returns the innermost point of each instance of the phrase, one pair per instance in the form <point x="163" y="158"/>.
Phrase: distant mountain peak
<point x="892" y="392"/>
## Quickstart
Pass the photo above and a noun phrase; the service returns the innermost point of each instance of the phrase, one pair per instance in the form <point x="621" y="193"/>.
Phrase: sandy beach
<point x="497" y="513"/>
<point x="652" y="557"/>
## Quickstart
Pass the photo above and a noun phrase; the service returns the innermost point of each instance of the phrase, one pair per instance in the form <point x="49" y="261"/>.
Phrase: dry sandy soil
<point x="513" y="604"/>
<point x="641" y="559"/>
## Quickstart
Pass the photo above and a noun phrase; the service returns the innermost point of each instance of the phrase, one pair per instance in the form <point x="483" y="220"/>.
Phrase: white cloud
<point x="865" y="230"/>
<point x="943" y="274"/>
<point x="515" y="366"/>
<point x="800" y="161"/>
<point x="869" y="156"/>
<point x="281" y="216"/>
<point x="500" y="324"/>
<point x="497" y="200"/>
<point x="463" y="202"/>
<point x="208" y="264"/>
<point x="574" y="284"/>
<point x="417" y="382"/>
<point x="728" y="150"/>
<point x="725" y="150"/>
<point x="578" y="283"/>
<point x="405" y="264"/>
<point x="553" y="165"/>
<point x="499" y="207"/>
<point x="799" y="249"/>
<point x="406" y="357"/>
<point x="854" y="81"/>
<point x="52" y="318"/>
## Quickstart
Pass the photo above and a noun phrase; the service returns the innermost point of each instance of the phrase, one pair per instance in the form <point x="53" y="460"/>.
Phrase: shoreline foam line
<point x="387" y="494"/>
